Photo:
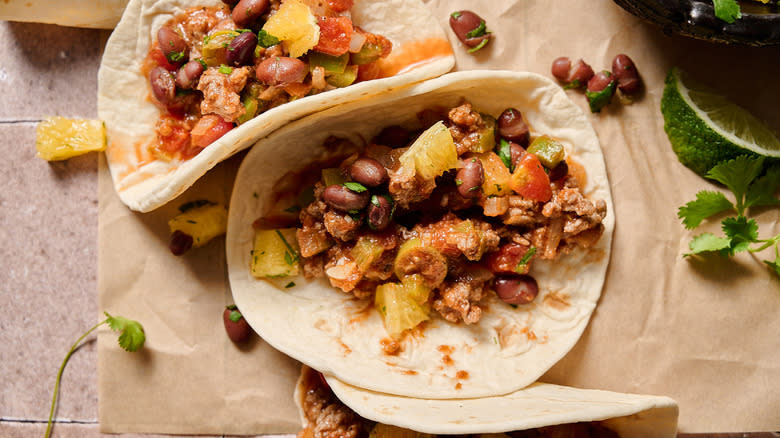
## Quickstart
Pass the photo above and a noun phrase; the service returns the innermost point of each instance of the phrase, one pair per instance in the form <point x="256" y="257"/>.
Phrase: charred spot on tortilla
<point x="458" y="223"/>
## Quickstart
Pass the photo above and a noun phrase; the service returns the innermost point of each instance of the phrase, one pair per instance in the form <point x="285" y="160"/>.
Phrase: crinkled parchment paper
<point x="702" y="331"/>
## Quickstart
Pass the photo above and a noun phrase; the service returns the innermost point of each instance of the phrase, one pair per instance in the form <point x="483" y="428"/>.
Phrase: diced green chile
<point x="599" y="99"/>
<point x="549" y="151"/>
<point x="331" y="64"/>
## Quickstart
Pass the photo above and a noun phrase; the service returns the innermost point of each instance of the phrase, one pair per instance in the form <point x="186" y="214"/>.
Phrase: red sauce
<point x="412" y="54"/>
<point x="462" y="375"/>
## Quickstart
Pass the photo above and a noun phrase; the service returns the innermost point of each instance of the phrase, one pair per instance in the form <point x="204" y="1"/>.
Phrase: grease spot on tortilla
<point x="410" y="372"/>
<point x="458" y="385"/>
<point x="390" y="347"/>
<point x="557" y="300"/>
<point x="446" y="351"/>
<point x="345" y="347"/>
<point x="462" y="375"/>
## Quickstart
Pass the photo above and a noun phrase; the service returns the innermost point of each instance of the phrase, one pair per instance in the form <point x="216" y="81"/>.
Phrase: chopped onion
<point x="357" y="41"/>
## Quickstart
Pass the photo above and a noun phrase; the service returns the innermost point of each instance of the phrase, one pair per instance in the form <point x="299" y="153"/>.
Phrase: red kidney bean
<point x="180" y="242"/>
<point x="247" y="11"/>
<point x="559" y="171"/>
<point x="368" y="171"/>
<point x="560" y="68"/>
<point x="281" y="70"/>
<point x="463" y="22"/>
<point x="512" y="127"/>
<point x="470" y="178"/>
<point x="625" y="72"/>
<point x="242" y="49"/>
<point x="516" y="289"/>
<point x="393" y="136"/>
<point x="516" y="152"/>
<point x="379" y="212"/>
<point x="230" y="3"/>
<point x="238" y="331"/>
<point x="163" y="85"/>
<point x="343" y="199"/>
<point x="581" y="72"/>
<point x="172" y="45"/>
<point x="600" y="81"/>
<point x="188" y="75"/>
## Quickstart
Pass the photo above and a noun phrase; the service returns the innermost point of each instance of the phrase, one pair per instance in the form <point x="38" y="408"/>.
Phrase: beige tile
<point x="48" y="285"/>
<point x="48" y="70"/>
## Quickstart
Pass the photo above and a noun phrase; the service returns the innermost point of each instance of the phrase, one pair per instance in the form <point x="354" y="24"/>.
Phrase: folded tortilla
<point x="332" y="332"/>
<point x="145" y="182"/>
<point x="538" y="405"/>
<point x="101" y="14"/>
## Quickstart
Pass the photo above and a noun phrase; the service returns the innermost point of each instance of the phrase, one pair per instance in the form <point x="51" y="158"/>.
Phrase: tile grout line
<point x="20" y="122"/>
<point x="31" y="421"/>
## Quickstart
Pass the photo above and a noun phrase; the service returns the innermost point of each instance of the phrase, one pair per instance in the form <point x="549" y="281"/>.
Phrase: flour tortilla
<point x="100" y="14"/>
<point x="322" y="327"/>
<point x="125" y="104"/>
<point x="538" y="405"/>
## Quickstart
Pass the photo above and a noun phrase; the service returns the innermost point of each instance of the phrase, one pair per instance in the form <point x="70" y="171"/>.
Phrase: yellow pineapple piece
<point x="275" y="253"/>
<point x="432" y="154"/>
<point x="387" y="431"/>
<point x="59" y="138"/>
<point x="202" y="222"/>
<point x="294" y="25"/>
<point x="497" y="175"/>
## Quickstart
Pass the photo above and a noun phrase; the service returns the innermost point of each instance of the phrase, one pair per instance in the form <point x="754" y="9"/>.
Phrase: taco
<point x="330" y="408"/>
<point x="469" y="285"/>
<point x="184" y="85"/>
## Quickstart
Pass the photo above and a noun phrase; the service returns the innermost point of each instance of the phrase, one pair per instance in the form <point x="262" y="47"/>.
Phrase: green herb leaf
<point x="520" y="268"/>
<point x="727" y="10"/>
<point x="741" y="233"/>
<point x="194" y="204"/>
<point x="293" y="209"/>
<point x="455" y="14"/>
<point x="224" y="69"/>
<point x="481" y="44"/>
<point x="707" y="203"/>
<point x="737" y="174"/>
<point x="202" y="63"/>
<point x="599" y="99"/>
<point x="477" y="31"/>
<point x="458" y="182"/>
<point x="290" y="256"/>
<point x="235" y="316"/>
<point x="762" y="192"/>
<point x="573" y="84"/>
<point x="175" y="56"/>
<point x="505" y="153"/>
<point x="289" y="285"/>
<point x="355" y="187"/>
<point x="266" y="40"/>
<point x="131" y="336"/>
<point x="707" y="242"/>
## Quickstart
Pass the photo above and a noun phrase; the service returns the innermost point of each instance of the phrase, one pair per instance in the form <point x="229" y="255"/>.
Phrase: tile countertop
<point x="48" y="214"/>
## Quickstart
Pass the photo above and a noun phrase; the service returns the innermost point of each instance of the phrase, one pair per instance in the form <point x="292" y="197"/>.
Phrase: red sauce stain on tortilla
<point x="414" y="54"/>
<point x="528" y="333"/>
<point x="557" y="300"/>
<point x="446" y="351"/>
<point x="447" y="360"/>
<point x="390" y="347"/>
<point x="410" y="372"/>
<point x="345" y="347"/>
<point x="458" y="386"/>
<point x="577" y="171"/>
<point x="462" y="375"/>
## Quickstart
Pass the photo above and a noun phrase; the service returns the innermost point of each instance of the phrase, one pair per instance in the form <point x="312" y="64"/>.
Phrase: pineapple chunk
<point x="275" y="253"/>
<point x="295" y="26"/>
<point x="398" y="308"/>
<point x="432" y="154"/>
<point x="496" y="180"/>
<point x="387" y="431"/>
<point x="202" y="222"/>
<point x="58" y="138"/>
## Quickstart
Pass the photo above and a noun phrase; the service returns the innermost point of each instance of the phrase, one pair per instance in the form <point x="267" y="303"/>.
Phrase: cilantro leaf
<point x="774" y="265"/>
<point x="131" y="336"/>
<point x="505" y="153"/>
<point x="520" y="268"/>
<point x="762" y="191"/>
<point x="737" y="174"/>
<point x="741" y="231"/>
<point x="707" y="203"/>
<point x="355" y="187"/>
<point x="477" y="31"/>
<point x="707" y="242"/>
<point x="727" y="10"/>
<point x="266" y="40"/>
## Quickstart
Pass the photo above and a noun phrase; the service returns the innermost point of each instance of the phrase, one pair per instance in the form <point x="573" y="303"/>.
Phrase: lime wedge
<point x="58" y="138"/>
<point x="706" y="128"/>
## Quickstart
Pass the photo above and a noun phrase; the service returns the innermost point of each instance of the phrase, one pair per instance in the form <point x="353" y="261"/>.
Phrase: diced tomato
<point x="340" y="5"/>
<point x="370" y="71"/>
<point x="176" y="141"/>
<point x="507" y="259"/>
<point x="208" y="129"/>
<point x="335" y="35"/>
<point x="158" y="57"/>
<point x="530" y="180"/>
<point x="297" y="89"/>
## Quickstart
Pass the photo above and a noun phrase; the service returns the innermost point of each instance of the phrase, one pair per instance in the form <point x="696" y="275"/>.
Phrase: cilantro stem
<point x="767" y="244"/>
<point x="72" y="350"/>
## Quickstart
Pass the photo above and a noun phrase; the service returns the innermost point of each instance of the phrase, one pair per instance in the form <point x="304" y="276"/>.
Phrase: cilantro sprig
<point x="727" y="10"/>
<point x="131" y="338"/>
<point x="742" y="176"/>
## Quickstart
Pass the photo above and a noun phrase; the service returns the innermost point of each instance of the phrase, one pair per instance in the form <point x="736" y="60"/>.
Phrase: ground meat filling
<point x="457" y="245"/>
<point x="221" y="92"/>
<point x="326" y="416"/>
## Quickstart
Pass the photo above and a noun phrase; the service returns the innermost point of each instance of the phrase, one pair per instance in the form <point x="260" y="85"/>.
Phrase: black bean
<point x="379" y="212"/>
<point x="516" y="289"/>
<point x="512" y="127"/>
<point x="625" y="72"/>
<point x="180" y="242"/>
<point x="463" y="22"/>
<point x="247" y="11"/>
<point x="281" y="70"/>
<point x="242" y="49"/>
<point x="343" y="199"/>
<point x="163" y="85"/>
<point x="368" y="171"/>
<point x="470" y="178"/>
<point x="188" y="75"/>
<point x="560" y="68"/>
<point x="172" y="45"/>
<point x="559" y="171"/>
<point x="516" y="152"/>
<point x="393" y="136"/>
<point x="600" y="81"/>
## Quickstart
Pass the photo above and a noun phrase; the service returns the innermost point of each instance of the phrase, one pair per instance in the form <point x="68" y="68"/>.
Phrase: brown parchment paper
<point x="702" y="331"/>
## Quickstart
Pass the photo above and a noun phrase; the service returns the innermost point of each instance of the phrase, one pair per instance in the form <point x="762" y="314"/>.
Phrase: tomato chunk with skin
<point x="335" y="35"/>
<point x="507" y="259"/>
<point x="530" y="180"/>
<point x="208" y="129"/>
